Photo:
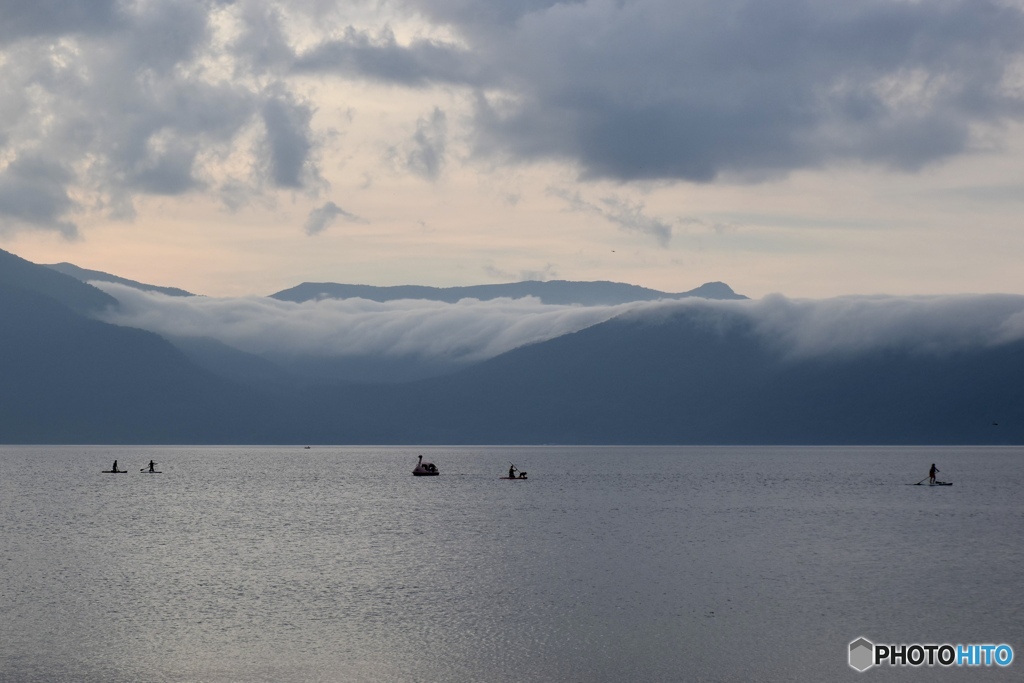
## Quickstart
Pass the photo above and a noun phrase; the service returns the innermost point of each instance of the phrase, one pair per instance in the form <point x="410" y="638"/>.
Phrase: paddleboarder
<point x="512" y="472"/>
<point x="931" y="474"/>
<point x="114" y="468"/>
<point x="152" y="466"/>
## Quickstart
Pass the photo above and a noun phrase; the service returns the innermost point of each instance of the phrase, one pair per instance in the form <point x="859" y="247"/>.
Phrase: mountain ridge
<point x="554" y="292"/>
<point x="86" y="275"/>
<point x="76" y="295"/>
<point x="697" y="372"/>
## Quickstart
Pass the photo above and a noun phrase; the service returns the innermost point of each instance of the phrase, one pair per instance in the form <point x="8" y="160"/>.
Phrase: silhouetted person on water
<point x="931" y="474"/>
<point x="114" y="468"/>
<point x="512" y="472"/>
<point x="151" y="466"/>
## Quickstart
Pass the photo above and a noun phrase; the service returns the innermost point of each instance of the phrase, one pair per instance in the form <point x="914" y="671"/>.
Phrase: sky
<point x="811" y="148"/>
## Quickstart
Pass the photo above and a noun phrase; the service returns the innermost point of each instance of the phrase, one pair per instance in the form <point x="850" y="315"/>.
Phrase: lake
<point x="609" y="564"/>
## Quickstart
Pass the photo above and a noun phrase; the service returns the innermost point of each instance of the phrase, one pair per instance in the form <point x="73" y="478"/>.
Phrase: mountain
<point x="25" y="275"/>
<point x="233" y="364"/>
<point x="549" y="292"/>
<point x="68" y="378"/>
<point x="663" y="374"/>
<point x="686" y="379"/>
<point x="85" y="275"/>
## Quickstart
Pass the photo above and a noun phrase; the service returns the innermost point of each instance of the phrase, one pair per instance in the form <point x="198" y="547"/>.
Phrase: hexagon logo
<point x="862" y="654"/>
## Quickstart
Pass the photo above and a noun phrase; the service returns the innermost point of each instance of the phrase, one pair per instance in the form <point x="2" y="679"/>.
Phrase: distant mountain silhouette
<point x="67" y="378"/>
<point x="85" y="275"/>
<point x="238" y="366"/>
<point x="687" y="380"/>
<point x="668" y="375"/>
<point x="549" y="292"/>
<point x="17" y="272"/>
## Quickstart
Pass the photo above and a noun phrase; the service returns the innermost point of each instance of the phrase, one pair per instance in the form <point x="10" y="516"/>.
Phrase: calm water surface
<point x="607" y="565"/>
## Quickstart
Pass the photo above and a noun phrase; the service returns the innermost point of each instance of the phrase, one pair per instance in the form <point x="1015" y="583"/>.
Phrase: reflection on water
<point x="608" y="564"/>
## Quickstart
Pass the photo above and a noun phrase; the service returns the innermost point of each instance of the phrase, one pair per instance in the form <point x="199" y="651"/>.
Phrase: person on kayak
<point x="931" y="474"/>
<point x="151" y="466"/>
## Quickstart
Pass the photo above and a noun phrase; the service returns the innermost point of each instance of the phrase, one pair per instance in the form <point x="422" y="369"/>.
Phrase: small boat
<point x="512" y="473"/>
<point x="425" y="469"/>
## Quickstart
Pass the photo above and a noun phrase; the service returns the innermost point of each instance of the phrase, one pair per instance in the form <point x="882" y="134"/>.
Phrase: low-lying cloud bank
<point x="472" y="331"/>
<point x="464" y="332"/>
<point x="849" y="325"/>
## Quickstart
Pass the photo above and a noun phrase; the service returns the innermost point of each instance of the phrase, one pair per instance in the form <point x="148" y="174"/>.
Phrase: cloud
<point x="925" y="324"/>
<point x="322" y="218"/>
<point x="135" y="99"/>
<point x="35" y="191"/>
<point x="548" y="271"/>
<point x="626" y="214"/>
<point x="848" y="326"/>
<point x="471" y="331"/>
<point x="262" y="45"/>
<point x="169" y="98"/>
<point x="289" y="144"/>
<point x="693" y="89"/>
<point x="426" y="156"/>
<point x="22" y="20"/>
<point x="421" y="63"/>
<point x="454" y="333"/>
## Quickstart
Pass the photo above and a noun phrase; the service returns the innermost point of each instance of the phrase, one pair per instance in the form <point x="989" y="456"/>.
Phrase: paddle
<point x="920" y="482"/>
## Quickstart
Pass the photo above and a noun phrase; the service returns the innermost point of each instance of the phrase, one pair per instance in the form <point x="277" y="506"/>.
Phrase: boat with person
<point x="425" y="469"/>
<point x="932" y="471"/>
<point x="512" y="474"/>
